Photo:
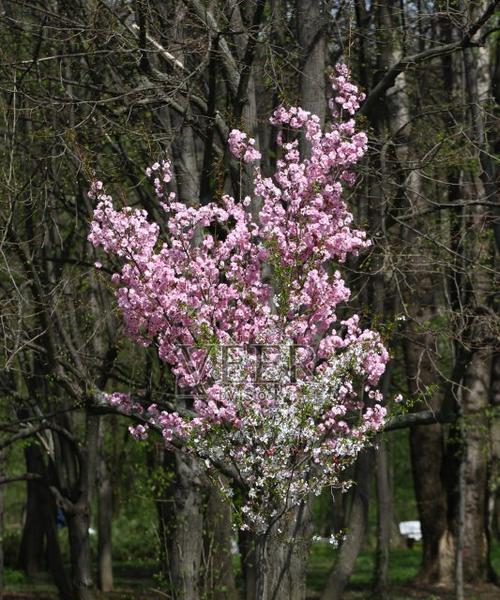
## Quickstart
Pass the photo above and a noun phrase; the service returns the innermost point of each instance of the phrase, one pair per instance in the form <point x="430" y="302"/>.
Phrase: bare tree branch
<point x="389" y="78"/>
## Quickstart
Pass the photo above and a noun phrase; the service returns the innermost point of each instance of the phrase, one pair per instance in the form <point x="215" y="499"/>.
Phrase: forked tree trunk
<point x="75" y="472"/>
<point x="42" y="510"/>
<point x="281" y="557"/>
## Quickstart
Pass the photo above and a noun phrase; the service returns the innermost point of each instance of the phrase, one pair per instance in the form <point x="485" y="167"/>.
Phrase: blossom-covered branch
<point x="280" y="389"/>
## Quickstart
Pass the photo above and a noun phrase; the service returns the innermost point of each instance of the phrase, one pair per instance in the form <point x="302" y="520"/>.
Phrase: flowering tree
<point x="280" y="393"/>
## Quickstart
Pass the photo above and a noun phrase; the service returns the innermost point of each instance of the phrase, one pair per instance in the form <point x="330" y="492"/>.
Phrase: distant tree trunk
<point x="339" y="511"/>
<point x="219" y="582"/>
<point x="248" y="563"/>
<point x="389" y="121"/>
<point x="424" y="304"/>
<point x="384" y="519"/>
<point x="475" y="398"/>
<point x="105" y="519"/>
<point x="31" y="551"/>
<point x="479" y="336"/>
<point x="2" y="502"/>
<point x="163" y="502"/>
<point x="54" y="556"/>
<point x="356" y="528"/>
<point x="312" y="59"/>
<point x="245" y="101"/>
<point x="493" y="503"/>
<point x="182" y="515"/>
<point x="78" y="513"/>
<point x="187" y="167"/>
<point x="73" y="476"/>
<point x="43" y="512"/>
<point x="78" y="522"/>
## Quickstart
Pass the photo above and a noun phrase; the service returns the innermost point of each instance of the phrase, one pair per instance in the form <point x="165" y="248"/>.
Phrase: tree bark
<point x="31" y="551"/>
<point x="182" y="523"/>
<point x="311" y="39"/>
<point x="81" y="564"/>
<point x="493" y="503"/>
<point x="105" y="519"/>
<point x="219" y="582"/>
<point x="2" y="503"/>
<point x="423" y="303"/>
<point x="475" y="398"/>
<point x="281" y="556"/>
<point x="312" y="60"/>
<point x="248" y="563"/>
<point x="384" y="519"/>
<point x="78" y="513"/>
<point x="54" y="556"/>
<point x="477" y="377"/>
<point x="43" y="512"/>
<point x="356" y="528"/>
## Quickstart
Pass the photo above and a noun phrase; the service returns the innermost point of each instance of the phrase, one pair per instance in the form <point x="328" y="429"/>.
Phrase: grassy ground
<point x="404" y="564"/>
<point x="137" y="580"/>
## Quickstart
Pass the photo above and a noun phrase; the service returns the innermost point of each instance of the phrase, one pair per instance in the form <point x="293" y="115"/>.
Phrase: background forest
<point x="103" y="88"/>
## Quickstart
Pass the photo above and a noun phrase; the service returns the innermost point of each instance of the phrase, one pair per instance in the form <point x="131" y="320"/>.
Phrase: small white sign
<point x="411" y="530"/>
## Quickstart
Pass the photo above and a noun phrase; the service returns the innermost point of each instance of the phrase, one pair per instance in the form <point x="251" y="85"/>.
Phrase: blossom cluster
<point x="243" y="147"/>
<point x="271" y="281"/>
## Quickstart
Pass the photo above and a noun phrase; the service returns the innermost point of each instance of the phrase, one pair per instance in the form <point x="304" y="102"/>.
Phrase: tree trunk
<point x="477" y="377"/>
<point x="31" y="551"/>
<point x="312" y="60"/>
<point x="182" y="515"/>
<point x="423" y="305"/>
<point x="75" y="472"/>
<point x="187" y="168"/>
<point x="281" y="557"/>
<point x="384" y="519"/>
<point x="2" y="472"/>
<point x="356" y="528"/>
<point x="248" y="563"/>
<point x="54" y="557"/>
<point x="475" y="398"/>
<point x="80" y="558"/>
<point x="219" y="582"/>
<point x="311" y="39"/>
<point x="105" y="519"/>
<point x="43" y="511"/>
<point x="493" y="504"/>
<point x="437" y="551"/>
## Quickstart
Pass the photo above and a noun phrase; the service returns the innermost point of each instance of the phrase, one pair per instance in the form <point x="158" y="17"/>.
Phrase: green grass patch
<point x="404" y="564"/>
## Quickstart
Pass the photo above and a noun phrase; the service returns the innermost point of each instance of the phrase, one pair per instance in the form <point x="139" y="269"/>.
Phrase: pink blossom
<point x="243" y="147"/>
